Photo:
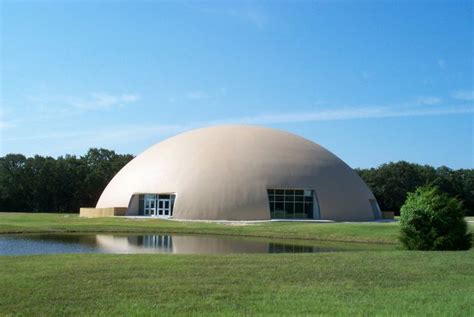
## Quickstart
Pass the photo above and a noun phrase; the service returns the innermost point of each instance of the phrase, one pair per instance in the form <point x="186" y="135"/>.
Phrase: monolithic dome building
<point x="239" y="173"/>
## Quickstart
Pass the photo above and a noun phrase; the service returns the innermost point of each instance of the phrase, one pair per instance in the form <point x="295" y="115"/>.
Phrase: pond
<point x="23" y="244"/>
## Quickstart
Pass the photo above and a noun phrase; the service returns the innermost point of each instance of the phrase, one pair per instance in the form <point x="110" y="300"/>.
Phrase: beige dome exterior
<point x="223" y="173"/>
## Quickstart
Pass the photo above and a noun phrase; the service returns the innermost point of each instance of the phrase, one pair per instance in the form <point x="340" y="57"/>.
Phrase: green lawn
<point x="373" y="282"/>
<point x="349" y="232"/>
<point x="349" y="283"/>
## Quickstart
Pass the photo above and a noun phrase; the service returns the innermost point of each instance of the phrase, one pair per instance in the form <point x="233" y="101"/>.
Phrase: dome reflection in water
<point x="163" y="243"/>
<point x="195" y="245"/>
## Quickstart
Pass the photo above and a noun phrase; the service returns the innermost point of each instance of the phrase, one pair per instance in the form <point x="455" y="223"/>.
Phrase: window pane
<point x="279" y="214"/>
<point x="299" y="198"/>
<point x="271" y="191"/>
<point x="289" y="208"/>
<point x="299" y="211"/>
<point x="279" y="191"/>
<point x="279" y="198"/>
<point x="279" y="207"/>
<point x="299" y="192"/>
<point x="289" y="192"/>
<point x="308" y="193"/>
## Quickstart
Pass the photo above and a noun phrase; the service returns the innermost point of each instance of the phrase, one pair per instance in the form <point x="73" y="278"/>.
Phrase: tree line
<point x="63" y="184"/>
<point x="66" y="183"/>
<point x="391" y="183"/>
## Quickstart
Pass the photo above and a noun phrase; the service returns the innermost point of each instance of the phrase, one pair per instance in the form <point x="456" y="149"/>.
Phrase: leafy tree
<point x="101" y="165"/>
<point x="432" y="220"/>
<point x="391" y="182"/>
<point x="14" y="187"/>
<point x="56" y="185"/>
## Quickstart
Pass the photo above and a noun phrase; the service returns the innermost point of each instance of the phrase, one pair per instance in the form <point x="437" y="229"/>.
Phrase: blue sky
<point x="372" y="81"/>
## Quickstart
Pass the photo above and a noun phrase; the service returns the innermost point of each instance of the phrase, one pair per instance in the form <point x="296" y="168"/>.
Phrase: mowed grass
<point x="344" y="232"/>
<point x="347" y="283"/>
<point x="373" y="282"/>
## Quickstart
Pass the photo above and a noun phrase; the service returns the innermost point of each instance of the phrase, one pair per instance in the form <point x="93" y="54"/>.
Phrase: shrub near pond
<point x="431" y="220"/>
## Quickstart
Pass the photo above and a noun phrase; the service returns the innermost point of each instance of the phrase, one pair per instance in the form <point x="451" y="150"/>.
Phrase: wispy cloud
<point x="110" y="135"/>
<point x="250" y="12"/>
<point x="428" y="100"/>
<point x="94" y="101"/>
<point x="99" y="101"/>
<point x="348" y="114"/>
<point x="45" y="107"/>
<point x="193" y="95"/>
<point x="467" y="95"/>
<point x="252" y="15"/>
<point x="5" y="123"/>
<point x="197" y="95"/>
<point x="122" y="133"/>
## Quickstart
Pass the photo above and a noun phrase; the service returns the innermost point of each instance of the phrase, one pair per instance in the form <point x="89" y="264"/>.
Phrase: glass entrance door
<point x="159" y="205"/>
<point x="150" y="205"/>
<point x="164" y="207"/>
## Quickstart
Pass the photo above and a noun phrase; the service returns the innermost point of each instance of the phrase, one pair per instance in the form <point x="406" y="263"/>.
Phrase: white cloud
<point x="249" y="13"/>
<point x="65" y="104"/>
<point x="113" y="136"/>
<point x="108" y="134"/>
<point x="4" y="123"/>
<point x="197" y="95"/>
<point x="371" y="112"/>
<point x="253" y="15"/>
<point x="428" y="100"/>
<point x="193" y="95"/>
<point x="98" y="101"/>
<point x="47" y="107"/>
<point x="347" y="113"/>
<point x="463" y="95"/>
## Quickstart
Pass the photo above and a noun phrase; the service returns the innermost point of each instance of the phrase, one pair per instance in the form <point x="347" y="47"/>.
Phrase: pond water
<point x="23" y="244"/>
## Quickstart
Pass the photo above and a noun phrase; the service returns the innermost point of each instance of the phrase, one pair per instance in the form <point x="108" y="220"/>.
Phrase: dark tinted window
<point x="291" y="203"/>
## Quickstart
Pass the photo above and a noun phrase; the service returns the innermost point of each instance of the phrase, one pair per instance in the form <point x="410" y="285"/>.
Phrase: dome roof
<point x="223" y="172"/>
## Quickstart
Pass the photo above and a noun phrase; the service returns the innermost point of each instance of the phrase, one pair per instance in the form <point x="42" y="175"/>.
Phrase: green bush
<point x="431" y="220"/>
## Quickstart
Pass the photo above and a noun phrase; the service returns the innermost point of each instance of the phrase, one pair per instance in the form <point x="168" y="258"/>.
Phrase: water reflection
<point x="180" y="244"/>
<point x="155" y="243"/>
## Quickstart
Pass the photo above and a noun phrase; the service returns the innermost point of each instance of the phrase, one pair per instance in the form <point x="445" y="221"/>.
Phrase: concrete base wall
<point x="102" y="212"/>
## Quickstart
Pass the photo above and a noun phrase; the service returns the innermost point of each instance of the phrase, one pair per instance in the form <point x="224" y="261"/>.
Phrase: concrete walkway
<point x="252" y="222"/>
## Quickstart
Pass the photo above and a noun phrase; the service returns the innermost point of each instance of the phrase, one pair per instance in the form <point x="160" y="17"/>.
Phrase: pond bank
<point x="383" y="232"/>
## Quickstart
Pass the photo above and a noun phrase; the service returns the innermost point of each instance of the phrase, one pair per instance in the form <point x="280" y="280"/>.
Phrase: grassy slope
<point x="352" y="283"/>
<point x="357" y="232"/>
